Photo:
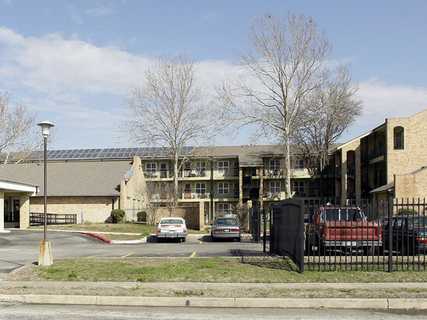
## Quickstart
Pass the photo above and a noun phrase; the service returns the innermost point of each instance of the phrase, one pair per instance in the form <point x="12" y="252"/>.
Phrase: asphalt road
<point x="47" y="312"/>
<point x="21" y="247"/>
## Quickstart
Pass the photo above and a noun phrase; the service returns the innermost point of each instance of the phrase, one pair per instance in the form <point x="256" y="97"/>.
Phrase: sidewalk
<point x="64" y="285"/>
<point x="196" y="294"/>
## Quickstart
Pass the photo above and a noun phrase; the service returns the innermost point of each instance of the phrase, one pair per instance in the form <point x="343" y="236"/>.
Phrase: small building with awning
<point x="15" y="204"/>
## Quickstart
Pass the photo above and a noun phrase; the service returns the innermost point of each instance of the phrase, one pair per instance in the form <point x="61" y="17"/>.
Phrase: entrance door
<point x="11" y="212"/>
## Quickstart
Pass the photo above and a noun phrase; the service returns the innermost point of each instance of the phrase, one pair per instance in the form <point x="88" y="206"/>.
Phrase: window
<point x="223" y="166"/>
<point x="163" y="170"/>
<point x="274" y="187"/>
<point x="223" y="188"/>
<point x="200" y="188"/>
<point x="299" y="188"/>
<point x="274" y="164"/>
<point x="399" y="138"/>
<point x="299" y="163"/>
<point x="223" y="208"/>
<point x="150" y="169"/>
<point x="200" y="168"/>
<point x="187" y="188"/>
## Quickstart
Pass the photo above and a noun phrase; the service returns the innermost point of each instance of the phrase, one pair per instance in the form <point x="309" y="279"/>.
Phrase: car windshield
<point x="342" y="214"/>
<point x="226" y="222"/>
<point x="171" y="221"/>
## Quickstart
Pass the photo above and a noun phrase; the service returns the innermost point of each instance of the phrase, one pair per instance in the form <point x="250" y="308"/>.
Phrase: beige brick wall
<point x="413" y="185"/>
<point x="351" y="146"/>
<point x="133" y="189"/>
<point x="88" y="209"/>
<point x="190" y="214"/>
<point x="24" y="212"/>
<point x="414" y="155"/>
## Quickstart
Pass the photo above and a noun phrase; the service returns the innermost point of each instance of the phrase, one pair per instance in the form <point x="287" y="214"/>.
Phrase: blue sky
<point x="73" y="62"/>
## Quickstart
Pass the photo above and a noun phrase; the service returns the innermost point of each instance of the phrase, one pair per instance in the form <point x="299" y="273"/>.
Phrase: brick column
<point x="358" y="176"/>
<point x="1" y="211"/>
<point x="24" y="212"/>
<point x="240" y="186"/>
<point x="343" y="177"/>
<point x="201" y="215"/>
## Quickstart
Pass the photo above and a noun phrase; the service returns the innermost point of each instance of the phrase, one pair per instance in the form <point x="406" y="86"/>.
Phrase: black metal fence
<point x="37" y="219"/>
<point x="387" y="235"/>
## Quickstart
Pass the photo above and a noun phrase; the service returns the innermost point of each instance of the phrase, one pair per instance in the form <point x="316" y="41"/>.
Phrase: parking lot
<point x="21" y="247"/>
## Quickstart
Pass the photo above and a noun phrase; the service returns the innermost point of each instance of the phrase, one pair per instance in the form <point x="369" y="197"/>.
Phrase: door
<point x="12" y="207"/>
<point x="163" y="170"/>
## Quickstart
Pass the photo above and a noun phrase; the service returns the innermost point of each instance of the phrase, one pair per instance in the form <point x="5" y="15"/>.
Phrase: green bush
<point x="141" y="216"/>
<point x="407" y="212"/>
<point x="117" y="216"/>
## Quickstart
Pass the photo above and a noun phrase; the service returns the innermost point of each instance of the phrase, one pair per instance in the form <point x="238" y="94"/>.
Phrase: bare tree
<point x="158" y="193"/>
<point x="168" y="110"/>
<point x="329" y="111"/>
<point x="286" y="65"/>
<point x="17" y="131"/>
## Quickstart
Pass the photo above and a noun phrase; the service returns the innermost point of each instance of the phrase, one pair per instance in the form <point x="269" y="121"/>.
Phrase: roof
<point x="74" y="178"/>
<point x="98" y="154"/>
<point x="8" y="185"/>
<point x="248" y="155"/>
<point x="386" y="187"/>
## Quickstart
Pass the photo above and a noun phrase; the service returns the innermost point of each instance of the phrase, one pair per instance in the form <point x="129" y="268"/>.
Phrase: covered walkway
<point x="15" y="204"/>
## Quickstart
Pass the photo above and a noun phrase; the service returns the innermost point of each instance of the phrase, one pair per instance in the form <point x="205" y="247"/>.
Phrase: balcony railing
<point x="158" y="174"/>
<point x="190" y="173"/>
<point x="194" y="195"/>
<point x="234" y="172"/>
<point x="273" y="172"/>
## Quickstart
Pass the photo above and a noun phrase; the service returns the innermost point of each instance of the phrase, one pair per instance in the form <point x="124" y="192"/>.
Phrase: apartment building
<point x="218" y="180"/>
<point x="389" y="160"/>
<point x="212" y="180"/>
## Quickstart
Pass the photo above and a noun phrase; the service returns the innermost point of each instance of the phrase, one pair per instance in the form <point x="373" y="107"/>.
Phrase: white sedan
<point x="172" y="228"/>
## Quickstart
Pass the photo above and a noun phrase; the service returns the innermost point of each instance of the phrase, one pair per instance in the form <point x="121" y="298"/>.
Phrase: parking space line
<point x="193" y="254"/>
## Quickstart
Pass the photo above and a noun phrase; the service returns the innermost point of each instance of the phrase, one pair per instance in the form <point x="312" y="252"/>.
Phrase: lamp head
<point x="45" y="125"/>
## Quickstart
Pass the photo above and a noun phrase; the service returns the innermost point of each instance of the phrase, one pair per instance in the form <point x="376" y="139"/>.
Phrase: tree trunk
<point x="175" y="182"/>
<point x="287" y="154"/>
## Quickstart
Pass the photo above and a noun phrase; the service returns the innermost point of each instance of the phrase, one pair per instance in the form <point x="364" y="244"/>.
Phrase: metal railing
<point x="388" y="235"/>
<point x="37" y="218"/>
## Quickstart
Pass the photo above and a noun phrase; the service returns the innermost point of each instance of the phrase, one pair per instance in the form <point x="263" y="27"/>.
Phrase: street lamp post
<point x="45" y="256"/>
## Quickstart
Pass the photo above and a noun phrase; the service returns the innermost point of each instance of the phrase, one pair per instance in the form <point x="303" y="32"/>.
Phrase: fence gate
<point x="287" y="231"/>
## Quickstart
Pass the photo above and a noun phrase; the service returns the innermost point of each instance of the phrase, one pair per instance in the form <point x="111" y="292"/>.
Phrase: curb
<point x="280" y="303"/>
<point x="97" y="236"/>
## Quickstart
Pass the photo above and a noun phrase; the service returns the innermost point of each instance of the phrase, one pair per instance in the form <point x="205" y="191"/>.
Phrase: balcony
<point x="194" y="196"/>
<point x="273" y="173"/>
<point x="227" y="172"/>
<point x="158" y="174"/>
<point x="193" y="173"/>
<point x="159" y="197"/>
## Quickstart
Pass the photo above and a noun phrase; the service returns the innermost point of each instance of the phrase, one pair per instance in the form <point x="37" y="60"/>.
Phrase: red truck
<point x="343" y="229"/>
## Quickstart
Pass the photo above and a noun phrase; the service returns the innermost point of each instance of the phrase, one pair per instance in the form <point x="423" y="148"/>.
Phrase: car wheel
<point x="239" y="239"/>
<point x="183" y="239"/>
<point x="213" y="238"/>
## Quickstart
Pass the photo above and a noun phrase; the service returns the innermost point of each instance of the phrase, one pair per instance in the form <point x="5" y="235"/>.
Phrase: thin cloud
<point x="86" y="83"/>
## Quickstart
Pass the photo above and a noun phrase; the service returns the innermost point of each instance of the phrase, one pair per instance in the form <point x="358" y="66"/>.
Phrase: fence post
<point x="264" y="236"/>
<point x="390" y="234"/>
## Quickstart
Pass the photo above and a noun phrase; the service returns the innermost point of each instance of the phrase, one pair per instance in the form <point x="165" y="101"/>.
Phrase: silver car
<point x="225" y="228"/>
<point x="172" y="228"/>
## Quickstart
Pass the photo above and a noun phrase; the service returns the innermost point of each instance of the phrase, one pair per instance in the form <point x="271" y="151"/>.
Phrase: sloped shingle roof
<point x="73" y="178"/>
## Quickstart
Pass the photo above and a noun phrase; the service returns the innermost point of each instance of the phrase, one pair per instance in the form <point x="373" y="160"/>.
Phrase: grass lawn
<point x="204" y="270"/>
<point x="140" y="230"/>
